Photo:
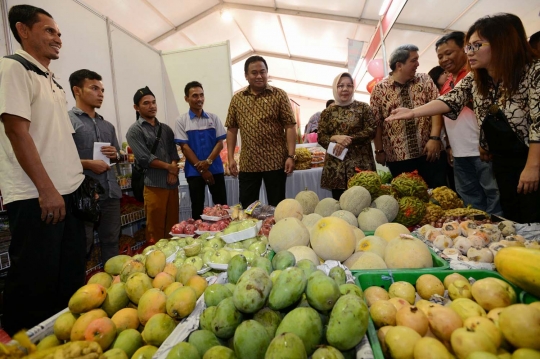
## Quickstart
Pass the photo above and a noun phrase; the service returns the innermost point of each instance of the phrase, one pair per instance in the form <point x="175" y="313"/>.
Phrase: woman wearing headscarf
<point x="349" y="124"/>
<point x="504" y="85"/>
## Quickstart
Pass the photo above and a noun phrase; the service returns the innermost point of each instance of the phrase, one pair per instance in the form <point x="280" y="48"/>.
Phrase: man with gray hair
<point x="408" y="145"/>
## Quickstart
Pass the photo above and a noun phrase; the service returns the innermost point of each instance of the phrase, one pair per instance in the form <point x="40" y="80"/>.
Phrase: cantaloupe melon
<point x="288" y="208"/>
<point x="287" y="233"/>
<point x="327" y="206"/>
<point x="347" y="216"/>
<point x="364" y="260"/>
<point x="372" y="244"/>
<point x="332" y="238"/>
<point x="308" y="200"/>
<point x="304" y="252"/>
<point x="407" y="252"/>
<point x="358" y="234"/>
<point x="371" y="218"/>
<point x="388" y="204"/>
<point x="355" y="199"/>
<point x="389" y="231"/>
<point x="309" y="220"/>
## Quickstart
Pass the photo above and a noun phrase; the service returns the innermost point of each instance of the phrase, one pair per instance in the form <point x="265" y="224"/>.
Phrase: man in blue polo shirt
<point x="200" y="134"/>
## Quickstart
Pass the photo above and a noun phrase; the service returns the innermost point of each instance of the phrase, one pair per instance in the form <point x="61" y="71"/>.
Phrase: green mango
<point x="246" y="243"/>
<point x="205" y="320"/>
<point x="338" y="274"/>
<point x="348" y="322"/>
<point x="310" y="331"/>
<point x="226" y="319"/>
<point x="158" y="328"/>
<point x="286" y="345"/>
<point x="215" y="293"/>
<point x="288" y="289"/>
<point x="307" y="266"/>
<point x="114" y="265"/>
<point x="349" y="288"/>
<point x="283" y="259"/>
<point x="230" y="286"/>
<point x="274" y="276"/>
<point x="237" y="266"/>
<point x="327" y="352"/>
<point x="269" y="319"/>
<point x="129" y="340"/>
<point x="103" y="278"/>
<point x="116" y="299"/>
<point x="220" y="352"/>
<point x="251" y="340"/>
<point x="146" y="352"/>
<point x="203" y="340"/>
<point x="322" y="292"/>
<point x="264" y="263"/>
<point x="115" y="354"/>
<point x="50" y="341"/>
<point x="252" y="290"/>
<point x="183" y="350"/>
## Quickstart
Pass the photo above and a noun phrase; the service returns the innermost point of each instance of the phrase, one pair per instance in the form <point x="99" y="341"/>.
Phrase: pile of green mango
<point x="278" y="309"/>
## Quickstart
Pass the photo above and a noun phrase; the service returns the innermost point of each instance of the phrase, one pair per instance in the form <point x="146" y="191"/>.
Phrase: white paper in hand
<point x="97" y="152"/>
<point x="331" y="149"/>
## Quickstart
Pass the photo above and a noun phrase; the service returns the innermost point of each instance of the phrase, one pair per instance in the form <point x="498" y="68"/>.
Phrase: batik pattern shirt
<point x="522" y="110"/>
<point x="403" y="140"/>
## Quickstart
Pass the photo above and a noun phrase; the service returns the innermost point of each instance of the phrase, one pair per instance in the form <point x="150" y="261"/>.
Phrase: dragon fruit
<point x="411" y="211"/>
<point x="370" y="180"/>
<point x="411" y="184"/>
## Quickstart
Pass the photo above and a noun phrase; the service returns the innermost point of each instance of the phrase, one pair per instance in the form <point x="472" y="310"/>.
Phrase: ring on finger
<point x="49" y="214"/>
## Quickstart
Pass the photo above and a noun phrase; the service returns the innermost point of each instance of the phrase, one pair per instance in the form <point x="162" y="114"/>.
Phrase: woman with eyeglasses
<point x="349" y="125"/>
<point x="504" y="85"/>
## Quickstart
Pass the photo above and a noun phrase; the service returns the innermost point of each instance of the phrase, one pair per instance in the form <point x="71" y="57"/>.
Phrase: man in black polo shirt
<point x="90" y="127"/>
<point x="161" y="178"/>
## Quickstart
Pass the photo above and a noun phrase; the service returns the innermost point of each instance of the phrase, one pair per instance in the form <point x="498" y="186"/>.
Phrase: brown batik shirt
<point x="261" y="119"/>
<point x="403" y="140"/>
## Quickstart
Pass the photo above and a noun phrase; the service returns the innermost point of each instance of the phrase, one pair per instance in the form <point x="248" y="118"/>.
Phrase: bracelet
<point x="435" y="138"/>
<point x="379" y="151"/>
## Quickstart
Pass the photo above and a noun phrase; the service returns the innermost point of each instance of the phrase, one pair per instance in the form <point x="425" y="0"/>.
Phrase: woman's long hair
<point x="510" y="52"/>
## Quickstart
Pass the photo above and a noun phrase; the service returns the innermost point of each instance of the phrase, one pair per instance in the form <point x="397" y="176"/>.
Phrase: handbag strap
<point x="158" y="137"/>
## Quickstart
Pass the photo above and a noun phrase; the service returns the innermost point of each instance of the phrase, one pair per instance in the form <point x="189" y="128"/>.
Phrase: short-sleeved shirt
<point x="87" y="131"/>
<point x="522" y="110"/>
<point x="37" y="98"/>
<point x="403" y="140"/>
<point x="201" y="134"/>
<point x="141" y="137"/>
<point x="262" y="120"/>
<point x="462" y="134"/>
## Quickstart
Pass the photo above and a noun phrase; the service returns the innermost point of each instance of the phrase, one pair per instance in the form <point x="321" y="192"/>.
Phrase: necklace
<point x="494" y="107"/>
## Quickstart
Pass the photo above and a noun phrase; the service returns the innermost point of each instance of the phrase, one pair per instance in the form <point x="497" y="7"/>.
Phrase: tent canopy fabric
<point x="305" y="42"/>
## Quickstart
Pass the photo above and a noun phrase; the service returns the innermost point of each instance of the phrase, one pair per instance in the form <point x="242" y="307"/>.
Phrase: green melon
<point x="371" y="218"/>
<point x="327" y="206"/>
<point x="355" y="199"/>
<point x="388" y="204"/>
<point x="347" y="216"/>
<point x="308" y="200"/>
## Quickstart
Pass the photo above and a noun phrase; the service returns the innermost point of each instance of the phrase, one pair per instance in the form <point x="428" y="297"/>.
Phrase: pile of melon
<point x="334" y="230"/>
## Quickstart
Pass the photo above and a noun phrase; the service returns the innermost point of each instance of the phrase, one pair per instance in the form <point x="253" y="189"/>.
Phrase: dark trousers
<point x="434" y="173"/>
<point x="197" y="185"/>
<point x="250" y="185"/>
<point x="518" y="207"/>
<point x="47" y="264"/>
<point x="336" y="193"/>
<point x="108" y="229"/>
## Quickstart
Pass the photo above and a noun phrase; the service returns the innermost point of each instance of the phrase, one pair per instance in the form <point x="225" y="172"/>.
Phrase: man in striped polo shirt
<point x="201" y="135"/>
<point x="161" y="178"/>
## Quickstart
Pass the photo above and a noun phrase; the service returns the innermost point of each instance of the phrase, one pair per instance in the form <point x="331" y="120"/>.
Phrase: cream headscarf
<point x="334" y="88"/>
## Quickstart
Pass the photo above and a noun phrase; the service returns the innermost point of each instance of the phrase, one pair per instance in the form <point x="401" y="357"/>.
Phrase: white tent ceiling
<point x="304" y="41"/>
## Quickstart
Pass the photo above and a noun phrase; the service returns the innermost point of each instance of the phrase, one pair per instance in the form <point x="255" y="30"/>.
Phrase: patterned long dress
<point x="355" y="120"/>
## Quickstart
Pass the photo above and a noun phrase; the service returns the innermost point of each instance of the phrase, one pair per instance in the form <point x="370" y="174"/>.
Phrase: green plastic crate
<point x="438" y="264"/>
<point x="365" y="280"/>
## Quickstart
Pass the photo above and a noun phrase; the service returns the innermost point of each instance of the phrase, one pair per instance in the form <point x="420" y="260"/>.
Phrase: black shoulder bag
<point x="85" y="200"/>
<point x="138" y="173"/>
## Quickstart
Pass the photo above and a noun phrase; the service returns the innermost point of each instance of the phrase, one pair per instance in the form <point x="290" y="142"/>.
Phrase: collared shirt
<point x="36" y="98"/>
<point x="462" y="134"/>
<point x="261" y="119"/>
<point x="141" y="137"/>
<point x="403" y="140"/>
<point x="87" y="131"/>
<point x="522" y="110"/>
<point x="201" y="134"/>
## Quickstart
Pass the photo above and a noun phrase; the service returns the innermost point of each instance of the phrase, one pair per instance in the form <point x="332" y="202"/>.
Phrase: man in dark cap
<point x="153" y="145"/>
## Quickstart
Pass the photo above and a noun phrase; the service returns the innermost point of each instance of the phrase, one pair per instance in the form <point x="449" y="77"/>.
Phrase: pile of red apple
<point x="190" y="226"/>
<point x="267" y="226"/>
<point x="217" y="211"/>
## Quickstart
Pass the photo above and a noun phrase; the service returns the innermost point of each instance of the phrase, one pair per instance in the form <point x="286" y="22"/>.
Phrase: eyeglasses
<point x="474" y="47"/>
<point x="341" y="87"/>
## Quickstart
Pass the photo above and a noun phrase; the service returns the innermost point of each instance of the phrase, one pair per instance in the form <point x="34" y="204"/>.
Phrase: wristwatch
<point x="209" y="161"/>
<point x="294" y="157"/>
<point x="379" y="151"/>
<point x="118" y="156"/>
